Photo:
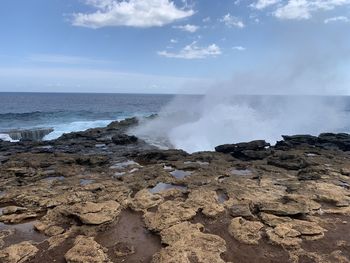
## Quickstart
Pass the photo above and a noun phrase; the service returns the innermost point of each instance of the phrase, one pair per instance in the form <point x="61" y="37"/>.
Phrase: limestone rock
<point x="205" y="200"/>
<point x="95" y="213"/>
<point x="186" y="244"/>
<point x="144" y="200"/>
<point x="168" y="214"/>
<point x="85" y="250"/>
<point x="18" y="253"/>
<point x="247" y="232"/>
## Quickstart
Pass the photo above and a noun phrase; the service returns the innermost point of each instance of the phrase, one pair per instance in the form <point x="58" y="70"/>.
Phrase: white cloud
<point x="206" y="19"/>
<point x="239" y="48"/>
<point x="262" y="4"/>
<point x="134" y="13"/>
<point x="303" y="9"/>
<point x="188" y="28"/>
<point x="232" y="21"/>
<point x="337" y="19"/>
<point x="193" y="51"/>
<point x="174" y="41"/>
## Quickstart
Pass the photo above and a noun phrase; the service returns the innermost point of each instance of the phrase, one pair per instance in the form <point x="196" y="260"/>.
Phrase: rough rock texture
<point x="186" y="243"/>
<point x="18" y="253"/>
<point x="95" y="213"/>
<point x="85" y="250"/>
<point x="247" y="232"/>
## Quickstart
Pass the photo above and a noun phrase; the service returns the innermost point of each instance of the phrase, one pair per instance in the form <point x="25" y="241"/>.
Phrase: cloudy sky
<point x="164" y="46"/>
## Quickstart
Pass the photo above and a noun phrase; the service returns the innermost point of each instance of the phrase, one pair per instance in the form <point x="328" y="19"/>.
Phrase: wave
<point x="6" y="137"/>
<point x="76" y="126"/>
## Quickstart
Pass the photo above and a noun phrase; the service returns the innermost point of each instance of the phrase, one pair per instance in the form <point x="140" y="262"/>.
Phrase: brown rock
<point x="86" y="250"/>
<point x="168" y="214"/>
<point x="186" y="243"/>
<point x="206" y="200"/>
<point x="95" y="213"/>
<point x="144" y="200"/>
<point x="18" y="253"/>
<point x="247" y="232"/>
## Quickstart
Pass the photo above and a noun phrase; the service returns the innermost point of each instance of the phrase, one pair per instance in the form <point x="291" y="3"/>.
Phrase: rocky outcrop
<point x="254" y="150"/>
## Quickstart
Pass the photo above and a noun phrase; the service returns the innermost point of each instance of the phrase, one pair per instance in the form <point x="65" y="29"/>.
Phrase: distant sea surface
<point x="73" y="112"/>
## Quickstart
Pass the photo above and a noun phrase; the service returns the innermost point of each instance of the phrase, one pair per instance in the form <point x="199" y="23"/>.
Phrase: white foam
<point x="76" y="126"/>
<point x="6" y="137"/>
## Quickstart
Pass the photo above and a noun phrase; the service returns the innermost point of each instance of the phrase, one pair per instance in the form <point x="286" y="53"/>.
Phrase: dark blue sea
<point x="73" y="112"/>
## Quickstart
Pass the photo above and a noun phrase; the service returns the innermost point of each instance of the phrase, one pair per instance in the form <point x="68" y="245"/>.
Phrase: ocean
<point x="66" y="113"/>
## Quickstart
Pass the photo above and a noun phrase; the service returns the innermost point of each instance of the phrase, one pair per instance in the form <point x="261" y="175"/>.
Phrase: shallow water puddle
<point x="243" y="172"/>
<point x="54" y="178"/>
<point x="125" y="164"/>
<point x="197" y="162"/>
<point x="168" y="168"/>
<point x="22" y="232"/>
<point x="222" y="196"/>
<point x="160" y="187"/>
<point x="180" y="174"/>
<point x="84" y="182"/>
<point x="128" y="240"/>
<point x="100" y="145"/>
<point x="118" y="174"/>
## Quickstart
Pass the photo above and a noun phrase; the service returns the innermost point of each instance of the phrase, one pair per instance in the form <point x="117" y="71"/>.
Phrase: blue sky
<point x="163" y="46"/>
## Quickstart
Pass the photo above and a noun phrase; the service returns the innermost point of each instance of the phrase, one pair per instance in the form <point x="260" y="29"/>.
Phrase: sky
<point x="180" y="46"/>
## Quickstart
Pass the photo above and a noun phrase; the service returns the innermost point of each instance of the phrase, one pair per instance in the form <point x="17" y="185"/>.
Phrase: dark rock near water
<point x="123" y="139"/>
<point x="287" y="161"/>
<point x="255" y="150"/>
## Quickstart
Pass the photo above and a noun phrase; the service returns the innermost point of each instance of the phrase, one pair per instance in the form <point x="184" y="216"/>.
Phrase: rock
<point x="345" y="171"/>
<point x="246" y="232"/>
<point x="168" y="214"/>
<point x="254" y="150"/>
<point x="290" y="232"/>
<point x="205" y="200"/>
<point x="241" y="210"/>
<point x="18" y="253"/>
<point x="123" y="125"/>
<point x="8" y="210"/>
<point x="288" y="161"/>
<point x="144" y="200"/>
<point x="273" y="220"/>
<point x="153" y="156"/>
<point x="86" y="250"/>
<point x="284" y="235"/>
<point x="284" y="209"/>
<point x="123" y="139"/>
<point x="186" y="243"/>
<point x="311" y="173"/>
<point x="238" y="147"/>
<point x="17" y="218"/>
<point x="29" y="135"/>
<point x="95" y="213"/>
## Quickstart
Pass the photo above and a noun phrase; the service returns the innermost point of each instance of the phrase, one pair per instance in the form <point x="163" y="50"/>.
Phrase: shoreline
<point x="104" y="196"/>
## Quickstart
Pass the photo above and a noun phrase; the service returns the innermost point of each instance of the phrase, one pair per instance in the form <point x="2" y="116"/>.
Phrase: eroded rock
<point x="247" y="232"/>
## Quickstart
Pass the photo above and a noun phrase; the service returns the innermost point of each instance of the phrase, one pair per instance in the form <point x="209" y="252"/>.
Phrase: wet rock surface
<point x="105" y="196"/>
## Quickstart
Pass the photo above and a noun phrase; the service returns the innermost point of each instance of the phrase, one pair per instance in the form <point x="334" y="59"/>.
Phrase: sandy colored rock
<point x="8" y="210"/>
<point x="144" y="200"/>
<point x="186" y="244"/>
<point x="86" y="250"/>
<point x="273" y="220"/>
<point x="168" y="214"/>
<point x="17" y="218"/>
<point x="18" y="253"/>
<point x="247" y="232"/>
<point x="95" y="213"/>
<point x="206" y="200"/>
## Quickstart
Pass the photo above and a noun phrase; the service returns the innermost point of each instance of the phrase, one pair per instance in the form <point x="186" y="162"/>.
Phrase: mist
<point x="293" y="91"/>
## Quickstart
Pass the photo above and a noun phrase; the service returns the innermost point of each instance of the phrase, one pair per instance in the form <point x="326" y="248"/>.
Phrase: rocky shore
<point x="104" y="196"/>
